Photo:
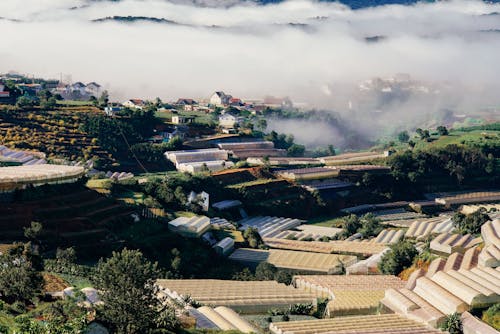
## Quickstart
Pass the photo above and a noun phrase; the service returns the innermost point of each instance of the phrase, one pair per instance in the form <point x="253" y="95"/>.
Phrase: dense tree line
<point x="114" y="134"/>
<point x="456" y="164"/>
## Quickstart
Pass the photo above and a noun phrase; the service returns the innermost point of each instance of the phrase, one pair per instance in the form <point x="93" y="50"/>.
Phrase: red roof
<point x="137" y="101"/>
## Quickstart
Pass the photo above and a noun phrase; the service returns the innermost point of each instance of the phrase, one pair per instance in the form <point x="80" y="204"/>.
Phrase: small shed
<point x="225" y="246"/>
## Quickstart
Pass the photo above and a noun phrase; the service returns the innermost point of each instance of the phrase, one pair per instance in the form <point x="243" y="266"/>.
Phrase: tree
<point x="296" y="150"/>
<point x="331" y="150"/>
<point x="265" y="271"/>
<point x="453" y="324"/>
<point x="19" y="279"/>
<point x="492" y="316"/>
<point x="252" y="237"/>
<point x="424" y="134"/>
<point x="93" y="101"/>
<point x="442" y="130"/>
<point x="370" y="225"/>
<point x="399" y="257"/>
<point x="66" y="256"/>
<point x="471" y="223"/>
<point x="33" y="232"/>
<point x="126" y="284"/>
<point x="351" y="225"/>
<point x="24" y="102"/>
<point x="403" y="136"/>
<point x="283" y="276"/>
<point x="262" y="124"/>
<point x="104" y="99"/>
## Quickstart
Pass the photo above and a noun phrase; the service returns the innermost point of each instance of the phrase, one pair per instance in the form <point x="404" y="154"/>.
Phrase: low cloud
<point x="314" y="52"/>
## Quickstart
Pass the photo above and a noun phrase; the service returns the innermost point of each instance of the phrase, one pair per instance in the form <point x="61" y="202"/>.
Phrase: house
<point x="3" y="94"/>
<point x="177" y="119"/>
<point x="93" y="89"/>
<point x="220" y="99"/>
<point x="235" y="102"/>
<point x="112" y="110"/>
<point x="183" y="102"/>
<point x="78" y="87"/>
<point x="187" y="104"/>
<point x="229" y="121"/>
<point x="134" y="103"/>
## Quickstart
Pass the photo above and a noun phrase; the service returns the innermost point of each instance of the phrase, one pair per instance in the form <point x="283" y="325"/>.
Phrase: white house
<point x="112" y="110"/>
<point x="176" y="119"/>
<point x="78" y="87"/>
<point x="229" y="121"/>
<point x="220" y="99"/>
<point x="134" y="103"/>
<point x="93" y="89"/>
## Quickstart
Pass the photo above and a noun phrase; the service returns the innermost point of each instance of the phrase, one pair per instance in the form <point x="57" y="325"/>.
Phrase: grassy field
<point x="252" y="183"/>
<point x="460" y="138"/>
<point x="236" y="235"/>
<point x="74" y="103"/>
<point x="326" y="221"/>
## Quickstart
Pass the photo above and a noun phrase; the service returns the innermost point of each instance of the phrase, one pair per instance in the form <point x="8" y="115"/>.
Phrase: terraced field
<point x="56" y="133"/>
<point x="80" y="218"/>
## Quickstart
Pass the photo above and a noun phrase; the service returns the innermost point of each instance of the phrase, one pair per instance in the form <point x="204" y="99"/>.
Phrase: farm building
<point x="192" y="227"/>
<point x="246" y="145"/>
<point x="244" y="149"/>
<point x="368" y="324"/>
<point x="447" y="243"/>
<point x="194" y="161"/>
<point x="309" y="232"/>
<point x="349" y="295"/>
<point x="222" y="318"/>
<point x="18" y="177"/>
<point x="421" y="229"/>
<point x="21" y="157"/>
<point x="363" y="248"/>
<point x="455" y="284"/>
<point x="490" y="255"/>
<point x="189" y="156"/>
<point x="311" y="173"/>
<point x="445" y="292"/>
<point x="269" y="227"/>
<point x="468" y="209"/>
<point x="225" y="246"/>
<point x="349" y="158"/>
<point x="366" y="266"/>
<point x="197" y="167"/>
<point x="282" y="161"/>
<point x="227" y="204"/>
<point x="469" y="198"/>
<point x="319" y="263"/>
<point x="389" y="236"/>
<point x="324" y="185"/>
<point x="241" y="296"/>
